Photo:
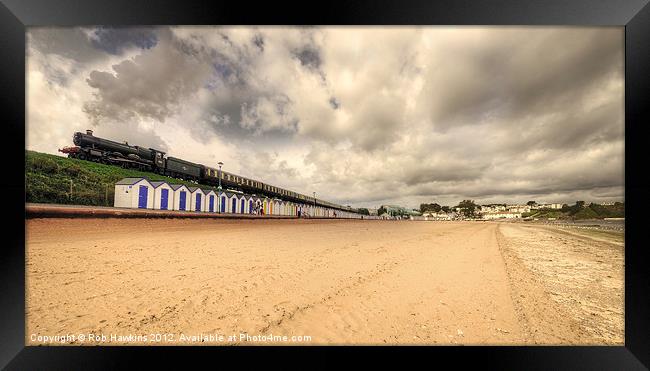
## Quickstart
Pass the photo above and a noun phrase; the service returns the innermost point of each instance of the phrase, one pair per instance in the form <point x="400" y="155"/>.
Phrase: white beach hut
<point x="211" y="202"/>
<point x="197" y="199"/>
<point x="223" y="201"/>
<point x="134" y="193"/>
<point x="243" y="204"/>
<point x="247" y="201"/>
<point x="163" y="195"/>
<point x="180" y="197"/>
<point x="233" y="203"/>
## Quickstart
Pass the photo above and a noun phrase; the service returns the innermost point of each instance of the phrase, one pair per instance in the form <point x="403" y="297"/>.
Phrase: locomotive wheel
<point x="81" y="156"/>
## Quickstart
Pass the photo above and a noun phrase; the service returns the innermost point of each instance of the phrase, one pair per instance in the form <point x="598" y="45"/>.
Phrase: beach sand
<point x="212" y="282"/>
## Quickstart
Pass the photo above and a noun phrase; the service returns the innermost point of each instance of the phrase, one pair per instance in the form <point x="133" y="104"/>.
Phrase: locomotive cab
<point x="159" y="158"/>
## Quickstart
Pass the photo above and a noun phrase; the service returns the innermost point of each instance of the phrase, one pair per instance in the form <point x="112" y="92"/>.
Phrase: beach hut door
<point x="164" y="196"/>
<point x="211" y="203"/>
<point x="198" y="202"/>
<point x="181" y="204"/>
<point x="142" y="200"/>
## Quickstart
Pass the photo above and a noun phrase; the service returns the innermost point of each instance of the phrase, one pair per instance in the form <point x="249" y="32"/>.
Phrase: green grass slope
<point x="50" y="179"/>
<point x="593" y="211"/>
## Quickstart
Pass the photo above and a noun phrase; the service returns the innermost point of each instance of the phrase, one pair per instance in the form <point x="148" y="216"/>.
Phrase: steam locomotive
<point x="92" y="148"/>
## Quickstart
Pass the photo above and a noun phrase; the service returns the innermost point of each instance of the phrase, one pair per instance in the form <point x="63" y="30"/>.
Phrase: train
<point x="92" y="148"/>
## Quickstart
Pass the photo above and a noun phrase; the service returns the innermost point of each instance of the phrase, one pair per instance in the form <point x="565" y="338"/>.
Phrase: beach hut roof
<point x="157" y="184"/>
<point x="177" y="186"/>
<point x="130" y="181"/>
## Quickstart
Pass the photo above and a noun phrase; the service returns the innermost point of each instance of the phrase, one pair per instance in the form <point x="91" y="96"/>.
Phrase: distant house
<point x="437" y="216"/>
<point x="502" y="215"/>
<point x="518" y="208"/>
<point x="134" y="193"/>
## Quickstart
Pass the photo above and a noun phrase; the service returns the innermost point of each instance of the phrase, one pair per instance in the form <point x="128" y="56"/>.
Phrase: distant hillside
<point x="49" y="179"/>
<point x="578" y="212"/>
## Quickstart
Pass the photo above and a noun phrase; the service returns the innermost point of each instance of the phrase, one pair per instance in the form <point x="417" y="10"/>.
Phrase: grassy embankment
<point x="591" y="211"/>
<point x="50" y="179"/>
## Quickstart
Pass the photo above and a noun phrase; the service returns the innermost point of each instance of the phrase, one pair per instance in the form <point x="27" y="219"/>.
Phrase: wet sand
<point x="212" y="282"/>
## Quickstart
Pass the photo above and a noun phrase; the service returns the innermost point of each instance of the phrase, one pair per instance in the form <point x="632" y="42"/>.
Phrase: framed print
<point x="459" y="181"/>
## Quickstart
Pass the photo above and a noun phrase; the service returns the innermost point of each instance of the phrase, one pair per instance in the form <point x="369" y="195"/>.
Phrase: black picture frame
<point x="16" y="15"/>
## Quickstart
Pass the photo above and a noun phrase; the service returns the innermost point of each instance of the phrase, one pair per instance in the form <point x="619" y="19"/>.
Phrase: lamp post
<point x="219" y="187"/>
<point x="314" y="212"/>
<point x="220" y="165"/>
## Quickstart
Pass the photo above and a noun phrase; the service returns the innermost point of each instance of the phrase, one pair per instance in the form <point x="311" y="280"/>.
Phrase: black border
<point x="15" y="15"/>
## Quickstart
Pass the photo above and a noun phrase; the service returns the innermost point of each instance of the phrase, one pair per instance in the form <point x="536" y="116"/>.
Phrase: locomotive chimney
<point x="89" y="132"/>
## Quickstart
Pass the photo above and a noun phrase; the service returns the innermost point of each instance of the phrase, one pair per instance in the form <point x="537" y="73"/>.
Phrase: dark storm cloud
<point x="309" y="57"/>
<point x="513" y="75"/>
<point x="258" y="40"/>
<point x="116" y="40"/>
<point x="150" y="85"/>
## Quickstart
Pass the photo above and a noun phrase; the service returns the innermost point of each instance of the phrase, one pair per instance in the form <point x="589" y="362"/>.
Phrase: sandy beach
<point x="213" y="282"/>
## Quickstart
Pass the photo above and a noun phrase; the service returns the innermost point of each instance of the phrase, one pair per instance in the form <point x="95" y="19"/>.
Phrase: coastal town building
<point x="501" y="215"/>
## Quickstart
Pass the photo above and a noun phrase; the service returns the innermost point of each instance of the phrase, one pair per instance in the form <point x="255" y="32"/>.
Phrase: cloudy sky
<point x="361" y="116"/>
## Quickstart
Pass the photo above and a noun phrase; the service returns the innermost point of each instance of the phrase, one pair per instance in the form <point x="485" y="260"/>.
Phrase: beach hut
<point x="250" y="204"/>
<point x="233" y="200"/>
<point x="223" y="201"/>
<point x="211" y="203"/>
<point x="197" y="199"/>
<point x="257" y="205"/>
<point x="134" y="193"/>
<point x="162" y="196"/>
<point x="265" y="206"/>
<point x="243" y="204"/>
<point x="180" y="197"/>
